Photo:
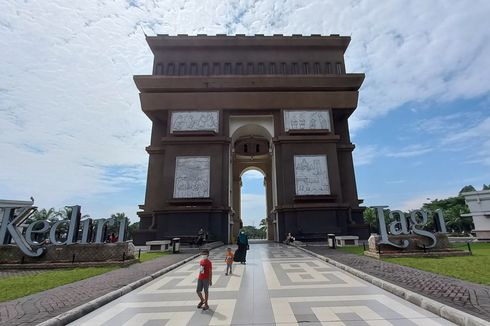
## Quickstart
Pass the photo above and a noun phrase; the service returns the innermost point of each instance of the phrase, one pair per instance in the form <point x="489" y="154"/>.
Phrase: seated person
<point x="289" y="239"/>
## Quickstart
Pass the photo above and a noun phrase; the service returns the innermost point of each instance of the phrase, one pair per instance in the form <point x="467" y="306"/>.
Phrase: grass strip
<point x="19" y="286"/>
<point x="145" y="256"/>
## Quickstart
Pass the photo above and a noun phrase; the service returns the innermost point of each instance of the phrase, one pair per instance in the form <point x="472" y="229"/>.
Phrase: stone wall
<point x="11" y="254"/>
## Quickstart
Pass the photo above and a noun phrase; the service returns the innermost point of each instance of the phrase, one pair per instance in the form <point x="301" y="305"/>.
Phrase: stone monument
<point x="407" y="236"/>
<point x="41" y="244"/>
<point x="221" y="105"/>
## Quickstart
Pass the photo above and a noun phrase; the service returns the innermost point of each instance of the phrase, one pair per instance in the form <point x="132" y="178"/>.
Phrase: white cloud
<point x="364" y="155"/>
<point x="70" y="113"/>
<point x="416" y="202"/>
<point x="444" y="124"/>
<point x="253" y="208"/>
<point x="409" y="151"/>
<point x="253" y="175"/>
<point x="475" y="137"/>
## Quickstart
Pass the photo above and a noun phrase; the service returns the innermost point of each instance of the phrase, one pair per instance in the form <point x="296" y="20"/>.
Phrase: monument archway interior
<point x="251" y="148"/>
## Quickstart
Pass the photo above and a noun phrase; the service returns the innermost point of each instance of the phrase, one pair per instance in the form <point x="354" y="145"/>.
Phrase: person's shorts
<point x="202" y="285"/>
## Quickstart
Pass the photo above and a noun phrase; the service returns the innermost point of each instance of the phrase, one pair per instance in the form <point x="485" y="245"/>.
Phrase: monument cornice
<point x="346" y="147"/>
<point x="155" y="149"/>
<point x="196" y="208"/>
<point x="332" y="138"/>
<point x="196" y="139"/>
<point x="311" y="206"/>
<point x="226" y="83"/>
<point x="337" y="100"/>
<point x="164" y="41"/>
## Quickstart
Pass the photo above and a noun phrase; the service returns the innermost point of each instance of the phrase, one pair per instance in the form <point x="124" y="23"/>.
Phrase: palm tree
<point x="43" y="214"/>
<point x="263" y="225"/>
<point x="49" y="215"/>
<point x="118" y="218"/>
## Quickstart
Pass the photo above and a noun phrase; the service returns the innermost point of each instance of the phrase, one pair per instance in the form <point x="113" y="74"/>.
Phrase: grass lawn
<point x="356" y="250"/>
<point x="19" y="286"/>
<point x="475" y="268"/>
<point x="145" y="256"/>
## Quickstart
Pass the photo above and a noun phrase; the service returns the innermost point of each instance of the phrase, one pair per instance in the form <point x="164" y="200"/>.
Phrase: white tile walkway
<point x="280" y="285"/>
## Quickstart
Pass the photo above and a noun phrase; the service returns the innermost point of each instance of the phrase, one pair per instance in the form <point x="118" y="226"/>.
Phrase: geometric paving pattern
<point x="280" y="285"/>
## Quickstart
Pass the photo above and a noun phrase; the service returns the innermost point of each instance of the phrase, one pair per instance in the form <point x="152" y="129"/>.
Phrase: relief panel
<point x="306" y="120"/>
<point x="311" y="175"/>
<point x="194" y="121"/>
<point x="192" y="177"/>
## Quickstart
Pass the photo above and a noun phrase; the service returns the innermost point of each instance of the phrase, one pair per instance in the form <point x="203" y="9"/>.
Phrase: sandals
<point x="200" y="305"/>
<point x="205" y="307"/>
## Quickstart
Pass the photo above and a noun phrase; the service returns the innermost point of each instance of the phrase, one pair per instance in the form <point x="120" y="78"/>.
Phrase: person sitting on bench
<point x="200" y="237"/>
<point x="289" y="239"/>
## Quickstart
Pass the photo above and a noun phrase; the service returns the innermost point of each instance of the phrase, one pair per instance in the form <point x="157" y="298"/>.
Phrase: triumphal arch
<point x="221" y="105"/>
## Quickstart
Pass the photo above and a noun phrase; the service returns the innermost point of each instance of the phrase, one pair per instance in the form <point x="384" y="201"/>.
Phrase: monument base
<point x="314" y="224"/>
<point x="419" y="253"/>
<point x="71" y="255"/>
<point x="417" y="247"/>
<point x="185" y="223"/>
<point x="483" y="235"/>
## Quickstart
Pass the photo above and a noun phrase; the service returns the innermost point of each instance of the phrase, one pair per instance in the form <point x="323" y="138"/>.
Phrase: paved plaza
<point x="465" y="296"/>
<point x="36" y="308"/>
<point x="279" y="285"/>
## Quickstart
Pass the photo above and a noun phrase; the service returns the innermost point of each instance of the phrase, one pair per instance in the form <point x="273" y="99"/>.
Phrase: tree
<point x="453" y="208"/>
<point x="118" y="218"/>
<point x="263" y="225"/>
<point x="65" y="213"/>
<point x="486" y="187"/>
<point x="467" y="189"/>
<point x="43" y="214"/>
<point x="371" y="219"/>
<point x="49" y="215"/>
<point x="132" y="228"/>
<point x="253" y="233"/>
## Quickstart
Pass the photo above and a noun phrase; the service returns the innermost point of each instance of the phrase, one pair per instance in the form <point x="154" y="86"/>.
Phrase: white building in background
<point x="479" y="204"/>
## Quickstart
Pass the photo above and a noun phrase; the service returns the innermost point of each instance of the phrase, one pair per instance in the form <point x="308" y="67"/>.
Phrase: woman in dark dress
<point x="241" y="253"/>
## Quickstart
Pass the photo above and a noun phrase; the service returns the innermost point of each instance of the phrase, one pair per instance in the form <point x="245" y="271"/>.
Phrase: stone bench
<point x="159" y="245"/>
<point x="346" y="240"/>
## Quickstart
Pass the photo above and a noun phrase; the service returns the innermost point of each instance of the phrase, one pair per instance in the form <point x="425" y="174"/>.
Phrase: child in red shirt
<point x="205" y="279"/>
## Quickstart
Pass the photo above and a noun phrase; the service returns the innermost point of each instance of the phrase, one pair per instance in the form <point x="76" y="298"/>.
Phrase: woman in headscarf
<point x="242" y="242"/>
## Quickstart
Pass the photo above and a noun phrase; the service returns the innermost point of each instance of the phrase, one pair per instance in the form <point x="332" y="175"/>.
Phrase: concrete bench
<point x="159" y="245"/>
<point x="347" y="240"/>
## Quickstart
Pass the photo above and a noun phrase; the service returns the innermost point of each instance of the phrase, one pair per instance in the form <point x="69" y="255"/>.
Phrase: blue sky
<point x="72" y="132"/>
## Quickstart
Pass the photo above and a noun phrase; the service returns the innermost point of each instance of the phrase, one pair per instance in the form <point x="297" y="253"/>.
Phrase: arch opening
<point x="251" y="157"/>
<point x="253" y="202"/>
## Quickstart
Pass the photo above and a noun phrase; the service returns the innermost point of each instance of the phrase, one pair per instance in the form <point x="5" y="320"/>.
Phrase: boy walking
<point x="229" y="261"/>
<point x="204" y="280"/>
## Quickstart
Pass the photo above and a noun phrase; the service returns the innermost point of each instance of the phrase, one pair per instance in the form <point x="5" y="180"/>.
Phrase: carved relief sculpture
<point x="306" y="120"/>
<point x="194" y="121"/>
<point x="311" y="175"/>
<point x="192" y="177"/>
